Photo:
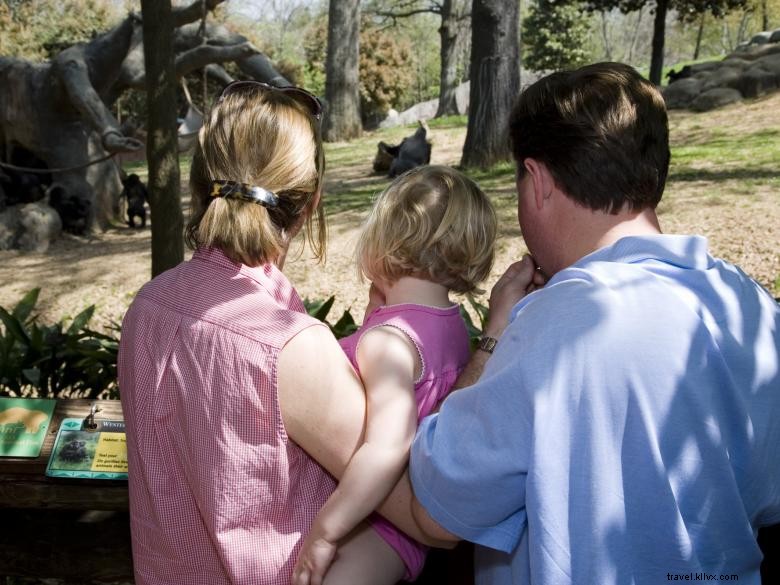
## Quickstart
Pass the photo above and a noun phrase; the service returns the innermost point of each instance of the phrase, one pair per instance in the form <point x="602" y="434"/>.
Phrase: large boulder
<point x="40" y="224"/>
<point x="462" y="94"/>
<point x="9" y="228"/>
<point x="761" y="38"/>
<point x="30" y="227"/>
<point x="770" y="63"/>
<point x="723" y="76"/>
<point x="756" y="82"/>
<point x="682" y="92"/>
<point x="751" y="71"/>
<point x="715" y="98"/>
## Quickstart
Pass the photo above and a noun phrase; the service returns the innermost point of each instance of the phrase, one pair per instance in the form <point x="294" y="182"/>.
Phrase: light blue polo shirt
<point x="626" y="429"/>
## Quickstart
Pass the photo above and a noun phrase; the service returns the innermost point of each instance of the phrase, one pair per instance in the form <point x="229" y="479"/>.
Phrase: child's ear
<point x="315" y="200"/>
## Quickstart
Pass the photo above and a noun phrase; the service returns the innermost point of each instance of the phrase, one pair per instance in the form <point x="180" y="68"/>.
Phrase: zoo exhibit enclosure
<point x="63" y="527"/>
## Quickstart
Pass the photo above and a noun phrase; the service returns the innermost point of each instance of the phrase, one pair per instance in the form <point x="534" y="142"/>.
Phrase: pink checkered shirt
<point x="218" y="492"/>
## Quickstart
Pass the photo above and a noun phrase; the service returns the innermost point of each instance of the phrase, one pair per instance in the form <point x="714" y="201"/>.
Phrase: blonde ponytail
<point x="262" y="138"/>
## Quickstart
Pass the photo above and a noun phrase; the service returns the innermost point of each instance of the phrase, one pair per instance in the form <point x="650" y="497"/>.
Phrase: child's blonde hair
<point x="261" y="137"/>
<point x="432" y="223"/>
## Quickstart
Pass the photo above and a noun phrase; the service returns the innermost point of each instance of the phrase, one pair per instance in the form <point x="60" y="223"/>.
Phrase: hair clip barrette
<point x="244" y="192"/>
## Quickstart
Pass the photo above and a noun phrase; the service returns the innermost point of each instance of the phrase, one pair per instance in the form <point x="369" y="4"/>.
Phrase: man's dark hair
<point x="601" y="130"/>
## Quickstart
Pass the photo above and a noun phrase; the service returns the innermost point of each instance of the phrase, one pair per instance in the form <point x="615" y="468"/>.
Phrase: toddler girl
<point x="430" y="232"/>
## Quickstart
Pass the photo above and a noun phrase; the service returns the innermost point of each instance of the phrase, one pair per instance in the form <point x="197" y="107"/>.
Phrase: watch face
<point x="487" y="344"/>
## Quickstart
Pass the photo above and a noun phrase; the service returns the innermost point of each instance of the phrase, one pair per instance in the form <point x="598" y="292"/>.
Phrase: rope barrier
<point x="60" y="170"/>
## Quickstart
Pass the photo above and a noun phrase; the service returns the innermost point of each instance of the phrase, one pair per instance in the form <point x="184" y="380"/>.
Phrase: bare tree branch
<point x="390" y="14"/>
<point x="217" y="72"/>
<point x="201" y="56"/>
<point x="186" y="14"/>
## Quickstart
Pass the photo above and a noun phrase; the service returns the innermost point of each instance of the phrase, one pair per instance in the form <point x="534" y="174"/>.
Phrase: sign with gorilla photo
<point x="81" y="453"/>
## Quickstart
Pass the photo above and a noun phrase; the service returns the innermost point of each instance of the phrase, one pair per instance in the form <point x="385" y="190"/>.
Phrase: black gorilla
<point x="414" y="151"/>
<point x="137" y="195"/>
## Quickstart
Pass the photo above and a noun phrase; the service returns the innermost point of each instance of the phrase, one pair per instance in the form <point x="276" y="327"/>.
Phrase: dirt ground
<point x="106" y="269"/>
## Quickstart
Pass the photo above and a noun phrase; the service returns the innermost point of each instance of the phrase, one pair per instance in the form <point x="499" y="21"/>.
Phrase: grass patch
<point x="448" y="122"/>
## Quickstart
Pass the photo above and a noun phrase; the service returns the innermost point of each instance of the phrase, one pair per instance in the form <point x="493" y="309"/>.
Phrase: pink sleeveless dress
<point x="219" y="494"/>
<point x="443" y="344"/>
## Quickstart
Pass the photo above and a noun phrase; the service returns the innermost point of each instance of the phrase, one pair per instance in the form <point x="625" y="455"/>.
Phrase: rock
<point x="10" y="228"/>
<point x="761" y="38"/>
<point x="462" y="98"/>
<point x="682" y="92"/>
<point x="715" y="98"/>
<point x="421" y="111"/>
<point x="40" y="225"/>
<point x="723" y="76"/>
<point x="737" y="62"/>
<point x="756" y="81"/>
<point x="775" y="36"/>
<point x="707" y="66"/>
<point x="770" y="63"/>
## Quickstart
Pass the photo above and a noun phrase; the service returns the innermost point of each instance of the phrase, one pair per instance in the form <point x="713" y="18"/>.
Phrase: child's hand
<point x="313" y="562"/>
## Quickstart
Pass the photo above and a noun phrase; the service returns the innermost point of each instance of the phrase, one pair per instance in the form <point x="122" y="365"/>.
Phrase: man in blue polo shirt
<point x="626" y="429"/>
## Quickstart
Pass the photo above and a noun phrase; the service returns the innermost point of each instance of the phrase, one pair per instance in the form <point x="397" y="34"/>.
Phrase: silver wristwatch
<point x="487" y="344"/>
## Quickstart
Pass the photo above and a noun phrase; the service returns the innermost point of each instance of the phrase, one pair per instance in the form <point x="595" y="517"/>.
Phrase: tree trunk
<point x="764" y="16"/>
<point x="605" y="36"/>
<point x="495" y="81"/>
<point x="342" y="91"/>
<point x="630" y="55"/>
<point x="449" y="32"/>
<point x="162" y="150"/>
<point x="699" y="36"/>
<point x="659" y="33"/>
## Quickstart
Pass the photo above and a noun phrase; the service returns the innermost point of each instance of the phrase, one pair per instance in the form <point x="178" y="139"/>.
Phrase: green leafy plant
<point x="474" y="329"/>
<point x="56" y="360"/>
<point x="346" y="325"/>
<point x="319" y="310"/>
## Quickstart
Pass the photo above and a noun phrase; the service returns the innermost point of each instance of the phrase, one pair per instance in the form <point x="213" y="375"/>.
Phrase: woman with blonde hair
<point x="239" y="406"/>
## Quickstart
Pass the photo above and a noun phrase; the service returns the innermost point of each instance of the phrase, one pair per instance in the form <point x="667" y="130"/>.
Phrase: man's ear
<point x="542" y="180"/>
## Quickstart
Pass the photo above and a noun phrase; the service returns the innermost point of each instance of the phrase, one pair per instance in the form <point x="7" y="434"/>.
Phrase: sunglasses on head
<point x="310" y="101"/>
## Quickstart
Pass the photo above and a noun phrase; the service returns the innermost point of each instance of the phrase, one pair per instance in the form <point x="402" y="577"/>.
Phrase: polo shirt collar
<point x="678" y="250"/>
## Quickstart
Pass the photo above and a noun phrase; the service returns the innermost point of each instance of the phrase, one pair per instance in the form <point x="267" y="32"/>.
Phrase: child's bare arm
<point x="388" y="362"/>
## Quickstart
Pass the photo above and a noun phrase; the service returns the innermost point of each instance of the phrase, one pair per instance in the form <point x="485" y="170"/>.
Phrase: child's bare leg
<point x="365" y="559"/>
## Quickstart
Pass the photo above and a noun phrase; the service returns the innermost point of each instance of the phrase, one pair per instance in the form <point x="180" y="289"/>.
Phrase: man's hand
<point x="315" y="558"/>
<point x="520" y="279"/>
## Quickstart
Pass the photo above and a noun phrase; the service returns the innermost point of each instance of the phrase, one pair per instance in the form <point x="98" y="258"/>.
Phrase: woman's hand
<point x="520" y="279"/>
<point x="315" y="558"/>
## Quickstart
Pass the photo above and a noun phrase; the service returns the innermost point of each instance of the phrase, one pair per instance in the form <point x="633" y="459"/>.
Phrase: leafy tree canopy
<point x="38" y="29"/>
<point x="555" y="36"/>
<point x="687" y="9"/>
<point x="386" y="73"/>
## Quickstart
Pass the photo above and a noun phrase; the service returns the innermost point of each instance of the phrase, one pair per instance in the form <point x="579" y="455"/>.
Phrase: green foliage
<point x="474" y="329"/>
<point x="38" y="29"/>
<point x="55" y="360"/>
<point x="555" y="36"/>
<point x="385" y="67"/>
<point x="319" y="310"/>
<point x="346" y="324"/>
<point x="385" y="71"/>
